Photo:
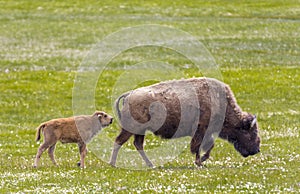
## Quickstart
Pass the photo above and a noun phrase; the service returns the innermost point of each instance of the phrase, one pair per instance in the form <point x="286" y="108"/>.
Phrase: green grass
<point x="255" y="43"/>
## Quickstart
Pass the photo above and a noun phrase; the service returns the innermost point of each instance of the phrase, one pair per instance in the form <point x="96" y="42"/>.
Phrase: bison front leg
<point x="120" y="140"/>
<point x="199" y="160"/>
<point x="196" y="142"/>
<point x="195" y="145"/>
<point x="198" y="145"/>
<point x="206" y="155"/>
<point x="139" y="145"/>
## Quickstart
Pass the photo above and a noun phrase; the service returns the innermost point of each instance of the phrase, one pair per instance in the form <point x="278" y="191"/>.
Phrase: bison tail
<point x="117" y="103"/>
<point x="38" y="131"/>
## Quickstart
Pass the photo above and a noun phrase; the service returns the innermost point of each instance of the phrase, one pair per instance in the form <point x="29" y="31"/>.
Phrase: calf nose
<point x="111" y="120"/>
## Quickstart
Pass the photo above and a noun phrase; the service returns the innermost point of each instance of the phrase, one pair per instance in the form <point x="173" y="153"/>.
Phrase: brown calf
<point x="79" y="129"/>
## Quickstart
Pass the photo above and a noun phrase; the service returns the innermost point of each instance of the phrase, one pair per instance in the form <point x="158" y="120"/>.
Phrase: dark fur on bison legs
<point x="120" y="140"/>
<point x="199" y="160"/>
<point x="138" y="143"/>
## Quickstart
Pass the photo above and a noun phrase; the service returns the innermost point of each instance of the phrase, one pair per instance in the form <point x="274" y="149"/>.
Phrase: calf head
<point x="104" y="118"/>
<point x="245" y="137"/>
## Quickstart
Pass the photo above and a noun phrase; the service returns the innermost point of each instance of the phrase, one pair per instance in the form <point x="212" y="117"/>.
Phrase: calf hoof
<point x="79" y="165"/>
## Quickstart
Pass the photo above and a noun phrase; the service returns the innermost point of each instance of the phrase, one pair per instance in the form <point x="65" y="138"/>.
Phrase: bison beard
<point x="200" y="107"/>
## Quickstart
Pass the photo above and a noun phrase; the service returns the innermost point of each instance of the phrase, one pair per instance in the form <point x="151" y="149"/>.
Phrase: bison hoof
<point x="150" y="165"/>
<point x="113" y="164"/>
<point x="198" y="163"/>
<point x="203" y="158"/>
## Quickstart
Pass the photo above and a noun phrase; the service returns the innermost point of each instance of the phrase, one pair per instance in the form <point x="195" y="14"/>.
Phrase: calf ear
<point x="98" y="114"/>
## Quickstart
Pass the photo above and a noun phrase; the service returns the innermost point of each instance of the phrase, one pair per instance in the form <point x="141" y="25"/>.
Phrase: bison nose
<point x="255" y="152"/>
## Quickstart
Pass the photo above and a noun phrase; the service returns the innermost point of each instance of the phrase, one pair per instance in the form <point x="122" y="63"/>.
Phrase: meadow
<point x="256" y="45"/>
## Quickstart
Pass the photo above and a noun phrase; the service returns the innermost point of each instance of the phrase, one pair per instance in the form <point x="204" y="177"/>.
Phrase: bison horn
<point x="253" y="121"/>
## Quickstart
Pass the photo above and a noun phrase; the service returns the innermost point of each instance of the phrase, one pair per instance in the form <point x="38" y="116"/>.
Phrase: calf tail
<point x="38" y="131"/>
<point x="117" y="103"/>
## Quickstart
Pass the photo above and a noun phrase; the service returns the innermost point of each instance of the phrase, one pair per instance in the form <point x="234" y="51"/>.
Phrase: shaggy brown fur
<point x="78" y="129"/>
<point x="199" y="107"/>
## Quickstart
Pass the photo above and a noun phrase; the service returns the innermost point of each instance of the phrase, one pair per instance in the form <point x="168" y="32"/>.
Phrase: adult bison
<point x="202" y="108"/>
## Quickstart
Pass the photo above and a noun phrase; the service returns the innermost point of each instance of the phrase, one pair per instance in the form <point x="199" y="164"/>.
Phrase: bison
<point x="203" y="108"/>
<point x="79" y="129"/>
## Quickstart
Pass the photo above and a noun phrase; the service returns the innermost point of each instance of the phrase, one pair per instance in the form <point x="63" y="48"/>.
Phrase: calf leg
<point x="41" y="149"/>
<point x="51" y="153"/>
<point x="82" y="152"/>
<point x="139" y="145"/>
<point x="120" y="140"/>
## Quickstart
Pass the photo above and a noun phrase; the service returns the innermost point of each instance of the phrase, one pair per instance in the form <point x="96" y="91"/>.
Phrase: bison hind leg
<point x="139" y="145"/>
<point x="120" y="140"/>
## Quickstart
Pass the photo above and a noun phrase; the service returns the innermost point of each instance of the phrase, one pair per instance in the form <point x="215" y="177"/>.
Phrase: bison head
<point x="245" y="137"/>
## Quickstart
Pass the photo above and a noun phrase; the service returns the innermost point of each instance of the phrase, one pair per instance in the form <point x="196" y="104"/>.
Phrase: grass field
<point x="255" y="43"/>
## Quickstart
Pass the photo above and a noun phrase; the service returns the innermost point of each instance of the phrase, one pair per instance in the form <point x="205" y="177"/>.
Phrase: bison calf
<point x="78" y="129"/>
<point x="202" y="108"/>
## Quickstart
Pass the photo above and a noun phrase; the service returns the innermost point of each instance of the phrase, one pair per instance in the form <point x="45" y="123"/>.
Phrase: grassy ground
<point x="255" y="43"/>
